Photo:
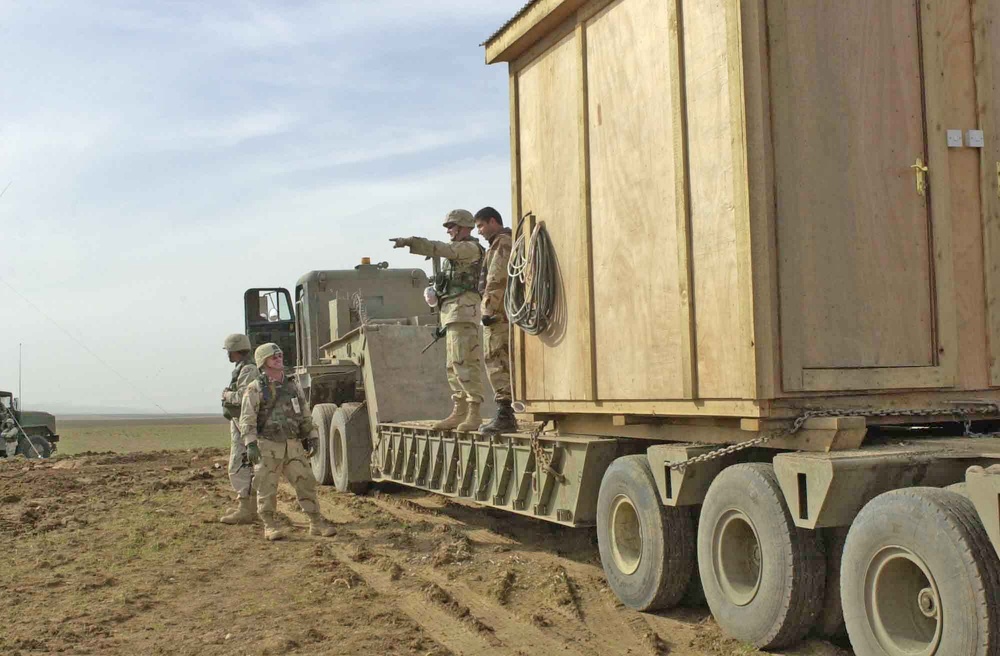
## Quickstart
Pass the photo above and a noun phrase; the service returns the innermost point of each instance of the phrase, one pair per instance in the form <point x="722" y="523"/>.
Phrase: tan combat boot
<point x="473" y="420"/>
<point x="319" y="525"/>
<point x="245" y="513"/>
<point x="458" y="414"/>
<point x="272" y="531"/>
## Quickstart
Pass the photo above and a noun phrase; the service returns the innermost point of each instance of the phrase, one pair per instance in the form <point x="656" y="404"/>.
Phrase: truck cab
<point x="326" y="306"/>
<point x="29" y="433"/>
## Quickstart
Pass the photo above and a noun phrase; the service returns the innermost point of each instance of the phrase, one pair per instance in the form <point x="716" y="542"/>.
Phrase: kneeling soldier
<point x="280" y="437"/>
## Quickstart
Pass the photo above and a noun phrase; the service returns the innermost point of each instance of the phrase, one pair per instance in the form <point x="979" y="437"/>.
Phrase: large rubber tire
<point x="647" y="549"/>
<point x="322" y="415"/>
<point x="33" y="447"/>
<point x="351" y="448"/>
<point x="830" y="623"/>
<point x="763" y="577"/>
<point x="921" y="577"/>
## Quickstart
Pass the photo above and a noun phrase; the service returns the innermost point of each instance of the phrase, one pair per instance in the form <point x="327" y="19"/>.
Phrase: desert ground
<point x="114" y="547"/>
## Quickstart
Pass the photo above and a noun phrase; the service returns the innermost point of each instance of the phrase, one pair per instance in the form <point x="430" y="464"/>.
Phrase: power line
<point x="82" y="345"/>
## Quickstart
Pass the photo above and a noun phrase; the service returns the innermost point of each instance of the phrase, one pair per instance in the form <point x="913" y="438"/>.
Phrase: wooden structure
<point x="755" y="207"/>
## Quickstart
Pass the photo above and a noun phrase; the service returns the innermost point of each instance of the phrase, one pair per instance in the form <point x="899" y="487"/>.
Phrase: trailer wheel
<point x="763" y="577"/>
<point x="831" y="617"/>
<point x="647" y="549"/>
<point x="351" y="448"/>
<point x="33" y="447"/>
<point x="921" y="577"/>
<point x="322" y="415"/>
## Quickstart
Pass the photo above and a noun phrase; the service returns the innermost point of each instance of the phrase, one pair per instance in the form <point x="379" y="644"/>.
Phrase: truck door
<point x="270" y="318"/>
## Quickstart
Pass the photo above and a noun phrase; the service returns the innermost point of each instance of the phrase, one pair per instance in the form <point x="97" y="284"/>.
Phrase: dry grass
<point x="127" y="436"/>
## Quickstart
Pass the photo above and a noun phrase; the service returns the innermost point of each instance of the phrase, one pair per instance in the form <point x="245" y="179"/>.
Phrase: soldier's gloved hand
<point x="253" y="453"/>
<point x="489" y="321"/>
<point x="311" y="444"/>
<point x="401" y="242"/>
<point x="440" y="332"/>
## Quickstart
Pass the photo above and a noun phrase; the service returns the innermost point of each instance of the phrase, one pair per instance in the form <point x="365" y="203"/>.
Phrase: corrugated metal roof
<point x="523" y="10"/>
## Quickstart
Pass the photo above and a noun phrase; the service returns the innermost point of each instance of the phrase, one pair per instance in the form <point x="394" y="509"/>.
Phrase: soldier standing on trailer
<point x="496" y="328"/>
<point x="457" y="288"/>
<point x="280" y="437"/>
<point x="240" y="470"/>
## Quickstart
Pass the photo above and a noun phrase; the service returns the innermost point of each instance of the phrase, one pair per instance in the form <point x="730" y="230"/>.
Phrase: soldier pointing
<point x="280" y="437"/>
<point x="457" y="288"/>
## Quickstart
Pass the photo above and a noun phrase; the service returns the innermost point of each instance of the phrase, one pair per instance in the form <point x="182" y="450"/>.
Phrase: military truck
<point x="28" y="433"/>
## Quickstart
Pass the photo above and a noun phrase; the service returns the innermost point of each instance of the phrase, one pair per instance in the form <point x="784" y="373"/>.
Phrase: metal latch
<point x="921" y="172"/>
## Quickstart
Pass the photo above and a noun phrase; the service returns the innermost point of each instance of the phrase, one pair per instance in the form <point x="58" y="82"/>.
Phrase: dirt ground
<point x="123" y="554"/>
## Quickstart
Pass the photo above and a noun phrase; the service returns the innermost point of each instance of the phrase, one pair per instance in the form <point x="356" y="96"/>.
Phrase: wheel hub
<point x="736" y="557"/>
<point x="626" y="535"/>
<point x="902" y="603"/>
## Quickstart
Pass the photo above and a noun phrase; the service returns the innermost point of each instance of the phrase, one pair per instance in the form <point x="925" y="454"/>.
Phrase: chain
<point x="798" y="422"/>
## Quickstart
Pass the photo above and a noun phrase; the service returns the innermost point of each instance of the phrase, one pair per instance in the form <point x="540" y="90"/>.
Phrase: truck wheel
<point x="763" y="577"/>
<point x="33" y="446"/>
<point x="322" y="415"/>
<point x="647" y="549"/>
<point x="831" y="617"/>
<point x="351" y="448"/>
<point x="921" y="577"/>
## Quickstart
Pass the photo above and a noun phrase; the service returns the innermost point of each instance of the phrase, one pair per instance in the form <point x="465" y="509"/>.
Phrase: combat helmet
<point x="264" y="351"/>
<point x="461" y="218"/>
<point x="236" y="342"/>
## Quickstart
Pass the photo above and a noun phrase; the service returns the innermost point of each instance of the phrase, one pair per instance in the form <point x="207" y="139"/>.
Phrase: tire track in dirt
<point x="620" y="631"/>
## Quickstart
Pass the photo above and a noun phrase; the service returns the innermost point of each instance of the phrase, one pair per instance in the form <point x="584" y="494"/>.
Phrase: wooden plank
<point x="743" y="379"/>
<point x="581" y="41"/>
<point x="718" y="295"/>
<point x="633" y="198"/>
<point x="556" y="363"/>
<point x="682" y="193"/>
<point x="831" y="380"/>
<point x="699" y="407"/>
<point x="760" y="184"/>
<point x="933" y="24"/>
<point x="986" y="37"/>
<point x="517" y="357"/>
<point x="958" y="108"/>
<point x="845" y="83"/>
<point x="528" y="28"/>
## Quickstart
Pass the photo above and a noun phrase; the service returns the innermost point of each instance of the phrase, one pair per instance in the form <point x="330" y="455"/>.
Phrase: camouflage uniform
<point x="279" y="437"/>
<point x="496" y="336"/>
<point x="240" y="472"/>
<point x="459" y="311"/>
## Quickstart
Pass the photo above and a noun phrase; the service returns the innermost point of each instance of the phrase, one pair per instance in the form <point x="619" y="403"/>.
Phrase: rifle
<point x="440" y="331"/>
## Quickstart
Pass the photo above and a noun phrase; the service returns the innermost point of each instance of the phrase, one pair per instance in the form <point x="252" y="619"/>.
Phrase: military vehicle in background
<point x="22" y="432"/>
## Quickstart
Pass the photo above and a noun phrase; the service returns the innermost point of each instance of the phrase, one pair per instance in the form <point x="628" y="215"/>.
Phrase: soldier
<point x="280" y="437"/>
<point x="496" y="328"/>
<point x="240" y="470"/>
<point x="457" y="289"/>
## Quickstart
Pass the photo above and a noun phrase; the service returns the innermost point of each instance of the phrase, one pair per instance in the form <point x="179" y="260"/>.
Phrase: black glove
<point x="311" y="444"/>
<point x="440" y="332"/>
<point x="489" y="321"/>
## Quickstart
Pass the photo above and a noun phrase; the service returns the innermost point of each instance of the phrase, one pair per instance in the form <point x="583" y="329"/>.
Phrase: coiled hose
<point x="530" y="299"/>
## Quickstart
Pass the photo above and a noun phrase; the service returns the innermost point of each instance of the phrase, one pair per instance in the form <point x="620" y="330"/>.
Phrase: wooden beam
<point x="528" y="28"/>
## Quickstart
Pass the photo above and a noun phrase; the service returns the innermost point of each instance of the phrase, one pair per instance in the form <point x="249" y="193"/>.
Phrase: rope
<point x="530" y="298"/>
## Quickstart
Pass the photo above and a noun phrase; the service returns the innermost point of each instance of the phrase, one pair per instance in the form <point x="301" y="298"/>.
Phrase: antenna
<point x="19" y="397"/>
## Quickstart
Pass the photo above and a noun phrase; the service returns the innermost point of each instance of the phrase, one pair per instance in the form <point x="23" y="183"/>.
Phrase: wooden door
<point x="863" y="254"/>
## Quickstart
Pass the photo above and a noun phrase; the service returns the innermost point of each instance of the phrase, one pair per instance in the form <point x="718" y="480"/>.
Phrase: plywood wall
<point x="558" y="364"/>
<point x="715" y="222"/>
<point x="633" y="203"/>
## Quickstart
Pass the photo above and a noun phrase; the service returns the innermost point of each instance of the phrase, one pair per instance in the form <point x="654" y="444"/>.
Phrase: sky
<point x="160" y="157"/>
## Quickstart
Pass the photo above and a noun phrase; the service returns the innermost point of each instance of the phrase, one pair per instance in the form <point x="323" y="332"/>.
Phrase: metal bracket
<point x="975" y="139"/>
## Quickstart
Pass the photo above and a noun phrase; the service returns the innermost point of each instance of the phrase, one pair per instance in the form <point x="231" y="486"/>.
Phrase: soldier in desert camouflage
<point x="280" y="437"/>
<point x="240" y="470"/>
<point x="496" y="328"/>
<point x="457" y="289"/>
